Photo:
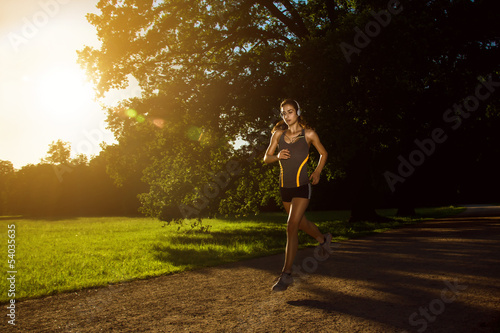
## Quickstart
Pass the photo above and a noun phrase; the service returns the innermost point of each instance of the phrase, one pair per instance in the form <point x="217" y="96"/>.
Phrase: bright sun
<point x="64" y="95"/>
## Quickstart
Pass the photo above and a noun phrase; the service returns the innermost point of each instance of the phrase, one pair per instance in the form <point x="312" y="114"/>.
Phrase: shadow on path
<point x="436" y="276"/>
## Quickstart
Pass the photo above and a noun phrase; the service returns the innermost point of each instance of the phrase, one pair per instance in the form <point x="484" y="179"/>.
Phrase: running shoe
<point x="283" y="282"/>
<point x="326" y="245"/>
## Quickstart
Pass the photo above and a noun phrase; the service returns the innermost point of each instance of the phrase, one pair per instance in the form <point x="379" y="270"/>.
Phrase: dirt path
<point x="437" y="276"/>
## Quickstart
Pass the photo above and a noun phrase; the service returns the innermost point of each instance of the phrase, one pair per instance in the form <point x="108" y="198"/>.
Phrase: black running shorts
<point x="288" y="193"/>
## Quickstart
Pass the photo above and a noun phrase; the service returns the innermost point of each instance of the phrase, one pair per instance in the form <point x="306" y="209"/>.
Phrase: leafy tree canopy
<point x="215" y="71"/>
<point x="59" y="152"/>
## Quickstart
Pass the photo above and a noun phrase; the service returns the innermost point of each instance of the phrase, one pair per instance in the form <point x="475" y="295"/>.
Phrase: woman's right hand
<point x="284" y="154"/>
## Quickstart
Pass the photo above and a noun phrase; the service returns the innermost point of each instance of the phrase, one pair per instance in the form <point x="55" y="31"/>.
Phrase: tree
<point x="80" y="159"/>
<point x="6" y="174"/>
<point x="219" y="68"/>
<point x="83" y="189"/>
<point x="35" y="191"/>
<point x="59" y="152"/>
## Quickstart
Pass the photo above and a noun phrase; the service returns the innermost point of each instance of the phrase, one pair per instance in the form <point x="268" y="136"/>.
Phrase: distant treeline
<point x="457" y="174"/>
<point x="48" y="189"/>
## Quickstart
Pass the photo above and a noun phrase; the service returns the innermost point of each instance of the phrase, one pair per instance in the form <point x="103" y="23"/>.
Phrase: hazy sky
<point x="43" y="92"/>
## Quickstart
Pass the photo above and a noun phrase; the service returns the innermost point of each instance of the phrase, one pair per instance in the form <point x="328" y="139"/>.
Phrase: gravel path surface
<point x="437" y="276"/>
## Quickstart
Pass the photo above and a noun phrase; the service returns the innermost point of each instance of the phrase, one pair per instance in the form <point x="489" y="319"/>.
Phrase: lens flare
<point x="140" y="118"/>
<point x="194" y="133"/>
<point x="159" y="122"/>
<point x="131" y="113"/>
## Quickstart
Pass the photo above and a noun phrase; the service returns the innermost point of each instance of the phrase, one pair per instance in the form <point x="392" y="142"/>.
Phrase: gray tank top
<point x="294" y="170"/>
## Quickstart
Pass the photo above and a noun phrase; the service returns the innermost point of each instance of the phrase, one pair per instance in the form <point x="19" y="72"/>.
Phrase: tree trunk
<point x="406" y="194"/>
<point x="362" y="193"/>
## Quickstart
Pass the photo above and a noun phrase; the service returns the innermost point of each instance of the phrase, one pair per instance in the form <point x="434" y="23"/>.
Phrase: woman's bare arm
<point x="269" y="157"/>
<point x="323" y="155"/>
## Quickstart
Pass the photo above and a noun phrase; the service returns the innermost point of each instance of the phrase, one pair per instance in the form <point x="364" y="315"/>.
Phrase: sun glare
<point x="64" y="95"/>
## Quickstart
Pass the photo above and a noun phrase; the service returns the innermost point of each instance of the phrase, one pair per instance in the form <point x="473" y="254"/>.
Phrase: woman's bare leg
<point x="295" y="210"/>
<point x="311" y="229"/>
<point x="307" y="226"/>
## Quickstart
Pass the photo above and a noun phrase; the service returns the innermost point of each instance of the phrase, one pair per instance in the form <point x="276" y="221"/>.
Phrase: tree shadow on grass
<point x="268" y="219"/>
<point x="201" y="249"/>
<point x="208" y="249"/>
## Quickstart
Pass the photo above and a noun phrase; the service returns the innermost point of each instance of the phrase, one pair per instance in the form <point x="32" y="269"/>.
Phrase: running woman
<point x="293" y="138"/>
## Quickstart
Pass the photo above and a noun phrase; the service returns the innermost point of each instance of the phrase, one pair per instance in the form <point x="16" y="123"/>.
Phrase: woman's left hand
<point x="314" y="178"/>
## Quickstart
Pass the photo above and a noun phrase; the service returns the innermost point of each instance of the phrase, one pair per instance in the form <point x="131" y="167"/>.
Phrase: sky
<point x="44" y="94"/>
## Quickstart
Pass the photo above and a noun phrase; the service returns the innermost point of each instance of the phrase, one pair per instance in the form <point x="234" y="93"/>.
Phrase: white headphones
<point x="299" y="111"/>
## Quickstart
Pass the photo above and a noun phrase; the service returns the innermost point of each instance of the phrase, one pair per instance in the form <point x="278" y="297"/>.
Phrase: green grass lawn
<point x="69" y="254"/>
